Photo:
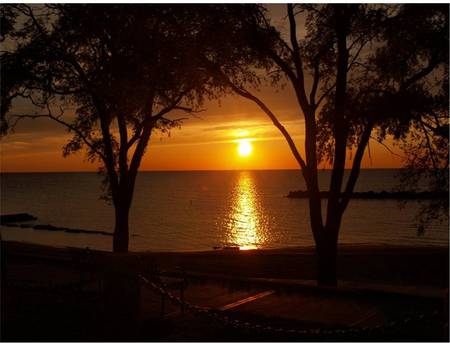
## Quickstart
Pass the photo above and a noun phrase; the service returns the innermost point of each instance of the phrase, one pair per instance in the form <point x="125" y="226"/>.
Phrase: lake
<point x="198" y="210"/>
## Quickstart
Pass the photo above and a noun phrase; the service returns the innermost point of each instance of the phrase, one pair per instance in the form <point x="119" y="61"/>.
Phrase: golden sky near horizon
<point x="206" y="142"/>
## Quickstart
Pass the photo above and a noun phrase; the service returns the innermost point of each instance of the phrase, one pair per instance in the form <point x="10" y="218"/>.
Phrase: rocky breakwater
<point x="376" y="195"/>
<point x="22" y="220"/>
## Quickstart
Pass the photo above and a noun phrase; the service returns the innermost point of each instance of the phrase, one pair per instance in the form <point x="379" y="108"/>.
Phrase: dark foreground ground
<point x="385" y="293"/>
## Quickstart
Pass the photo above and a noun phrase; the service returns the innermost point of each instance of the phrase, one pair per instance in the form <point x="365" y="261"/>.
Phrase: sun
<point x="245" y="148"/>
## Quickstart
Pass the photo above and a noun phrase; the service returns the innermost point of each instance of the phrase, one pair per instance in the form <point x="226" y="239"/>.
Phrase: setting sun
<point x="245" y="148"/>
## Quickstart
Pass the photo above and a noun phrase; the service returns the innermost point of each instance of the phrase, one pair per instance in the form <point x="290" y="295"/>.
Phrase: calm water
<point x="199" y="210"/>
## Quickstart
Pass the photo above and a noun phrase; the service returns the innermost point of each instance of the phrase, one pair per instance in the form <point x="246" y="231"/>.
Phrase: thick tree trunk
<point x="121" y="284"/>
<point x="120" y="238"/>
<point x="326" y="250"/>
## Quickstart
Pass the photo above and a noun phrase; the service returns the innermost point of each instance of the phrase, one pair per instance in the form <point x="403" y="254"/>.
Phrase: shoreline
<point x="107" y="247"/>
<point x="300" y="249"/>
<point x="391" y="264"/>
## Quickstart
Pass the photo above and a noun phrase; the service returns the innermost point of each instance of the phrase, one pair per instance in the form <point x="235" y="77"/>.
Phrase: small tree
<point x="345" y="92"/>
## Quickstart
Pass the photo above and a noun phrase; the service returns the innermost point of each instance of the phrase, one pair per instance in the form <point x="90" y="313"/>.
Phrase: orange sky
<point x="205" y="143"/>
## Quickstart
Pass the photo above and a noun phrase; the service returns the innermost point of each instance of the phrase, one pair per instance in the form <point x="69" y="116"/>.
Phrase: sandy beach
<point x="402" y="265"/>
<point x="389" y="274"/>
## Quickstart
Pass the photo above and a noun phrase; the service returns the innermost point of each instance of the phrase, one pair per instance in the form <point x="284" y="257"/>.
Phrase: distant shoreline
<point x="371" y="195"/>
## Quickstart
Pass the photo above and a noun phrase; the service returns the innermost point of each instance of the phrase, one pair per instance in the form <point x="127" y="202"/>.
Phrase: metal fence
<point x="261" y="328"/>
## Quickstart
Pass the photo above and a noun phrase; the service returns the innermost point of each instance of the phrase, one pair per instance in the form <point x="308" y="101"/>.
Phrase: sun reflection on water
<point x="246" y="224"/>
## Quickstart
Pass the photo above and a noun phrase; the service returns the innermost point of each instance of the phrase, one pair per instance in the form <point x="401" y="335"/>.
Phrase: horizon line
<point x="183" y="170"/>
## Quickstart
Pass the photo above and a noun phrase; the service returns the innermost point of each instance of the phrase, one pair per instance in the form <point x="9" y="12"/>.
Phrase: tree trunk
<point x="326" y="250"/>
<point x="120" y="239"/>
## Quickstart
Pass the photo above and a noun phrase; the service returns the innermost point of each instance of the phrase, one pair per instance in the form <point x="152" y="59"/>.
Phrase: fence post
<point x="162" y="305"/>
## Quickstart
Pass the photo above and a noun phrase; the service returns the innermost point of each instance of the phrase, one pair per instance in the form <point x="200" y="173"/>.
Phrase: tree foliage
<point x="114" y="74"/>
<point x="359" y="72"/>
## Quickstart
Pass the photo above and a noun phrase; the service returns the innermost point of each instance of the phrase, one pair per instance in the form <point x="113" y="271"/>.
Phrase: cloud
<point x="230" y="127"/>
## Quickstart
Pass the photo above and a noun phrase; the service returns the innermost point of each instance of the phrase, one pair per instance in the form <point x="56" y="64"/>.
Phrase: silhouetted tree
<point x="347" y="89"/>
<point x="421" y="34"/>
<point x="402" y="90"/>
<point x="112" y="75"/>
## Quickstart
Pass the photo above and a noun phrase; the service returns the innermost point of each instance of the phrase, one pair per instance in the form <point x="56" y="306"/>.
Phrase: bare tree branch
<point x="300" y="85"/>
<point x="312" y="95"/>
<point x="356" y="167"/>
<point x="430" y="148"/>
<point x="386" y="147"/>
<point x="420" y="74"/>
<point x="272" y="116"/>
<point x="123" y="146"/>
<point x="67" y="125"/>
<point x="325" y="94"/>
